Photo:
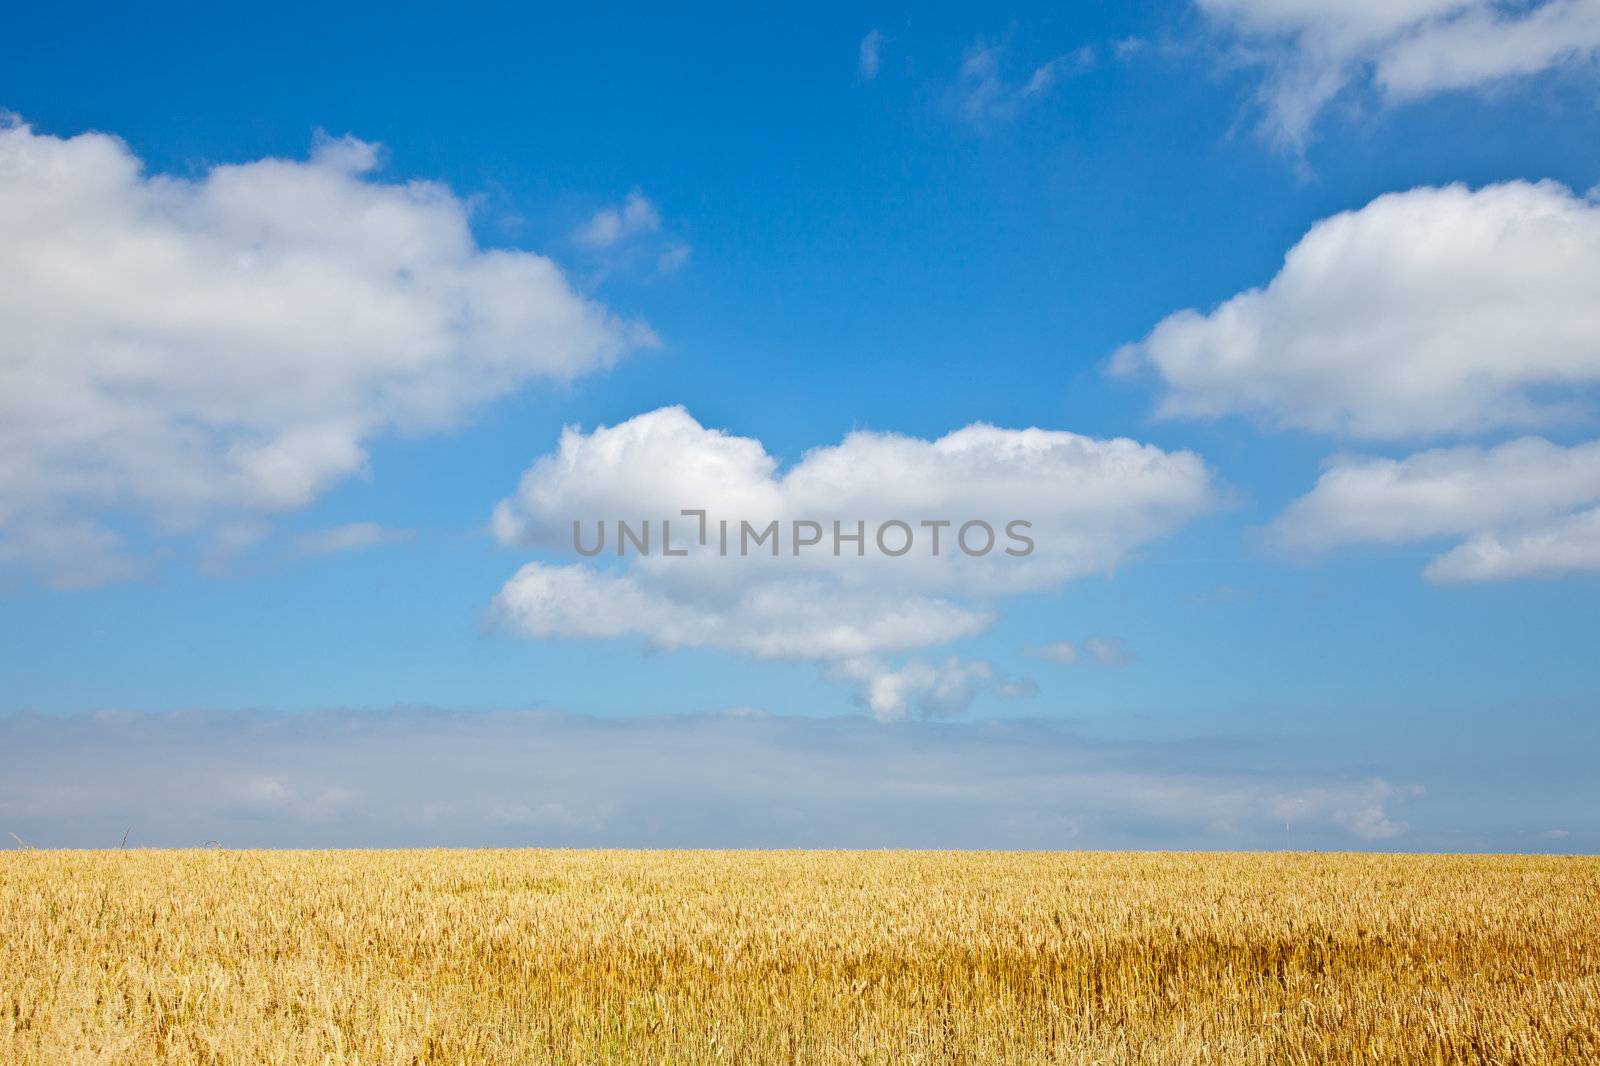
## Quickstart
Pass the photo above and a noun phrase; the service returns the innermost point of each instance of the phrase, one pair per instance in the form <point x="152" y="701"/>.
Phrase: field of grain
<point x="805" y="957"/>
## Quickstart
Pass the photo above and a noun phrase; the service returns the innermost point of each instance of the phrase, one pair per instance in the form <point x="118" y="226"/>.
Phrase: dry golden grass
<point x="757" y="957"/>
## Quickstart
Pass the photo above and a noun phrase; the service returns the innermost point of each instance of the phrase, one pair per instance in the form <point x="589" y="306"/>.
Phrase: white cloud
<point x="1092" y="501"/>
<point x="1438" y="310"/>
<point x="868" y="55"/>
<point x="1527" y="507"/>
<point x="1440" y="493"/>
<point x="1313" y="50"/>
<point x="1488" y="43"/>
<point x="933" y="690"/>
<point x="1561" y="546"/>
<point x="353" y="536"/>
<point x="609" y="226"/>
<point x="177" y="350"/>
<point x="1091" y="504"/>
<point x="799" y="619"/>
<point x="407" y="778"/>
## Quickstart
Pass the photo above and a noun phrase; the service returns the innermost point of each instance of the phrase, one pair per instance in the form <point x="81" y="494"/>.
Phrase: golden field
<point x="806" y="957"/>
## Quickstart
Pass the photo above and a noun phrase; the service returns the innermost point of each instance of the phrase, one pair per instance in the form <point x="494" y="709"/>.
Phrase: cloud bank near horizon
<point x="410" y="777"/>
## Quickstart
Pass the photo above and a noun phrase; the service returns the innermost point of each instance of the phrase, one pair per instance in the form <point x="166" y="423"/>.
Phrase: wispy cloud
<point x="1128" y="47"/>
<point x="983" y="95"/>
<point x="1311" y="51"/>
<point x="673" y="258"/>
<point x="610" y="226"/>
<point x="629" y="235"/>
<point x="869" y="54"/>
<point x="1106" y="651"/>
<point x="1056" y="651"/>
<point x="353" y="536"/>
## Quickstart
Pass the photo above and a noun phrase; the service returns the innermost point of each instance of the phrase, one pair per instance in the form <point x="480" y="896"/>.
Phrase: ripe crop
<point x="679" y="957"/>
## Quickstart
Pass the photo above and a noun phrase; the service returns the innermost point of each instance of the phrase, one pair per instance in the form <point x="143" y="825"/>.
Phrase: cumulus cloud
<point x="1438" y="311"/>
<point x="1561" y="546"/>
<point x="422" y="777"/>
<point x="1527" y="507"/>
<point x="932" y="690"/>
<point x="1312" y="50"/>
<point x="178" y="349"/>
<point x="1440" y="493"/>
<point x="1090" y="505"/>
<point x="1432" y="311"/>
<point x="802" y="618"/>
<point x="1091" y="501"/>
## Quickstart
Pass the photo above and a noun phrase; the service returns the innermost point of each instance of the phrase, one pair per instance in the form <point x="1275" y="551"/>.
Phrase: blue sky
<point x="846" y="220"/>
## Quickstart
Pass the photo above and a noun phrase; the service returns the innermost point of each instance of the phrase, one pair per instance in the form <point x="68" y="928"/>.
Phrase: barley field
<point x="680" y="957"/>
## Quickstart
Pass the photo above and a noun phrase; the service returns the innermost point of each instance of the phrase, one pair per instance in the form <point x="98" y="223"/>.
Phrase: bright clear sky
<point x="261" y="393"/>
